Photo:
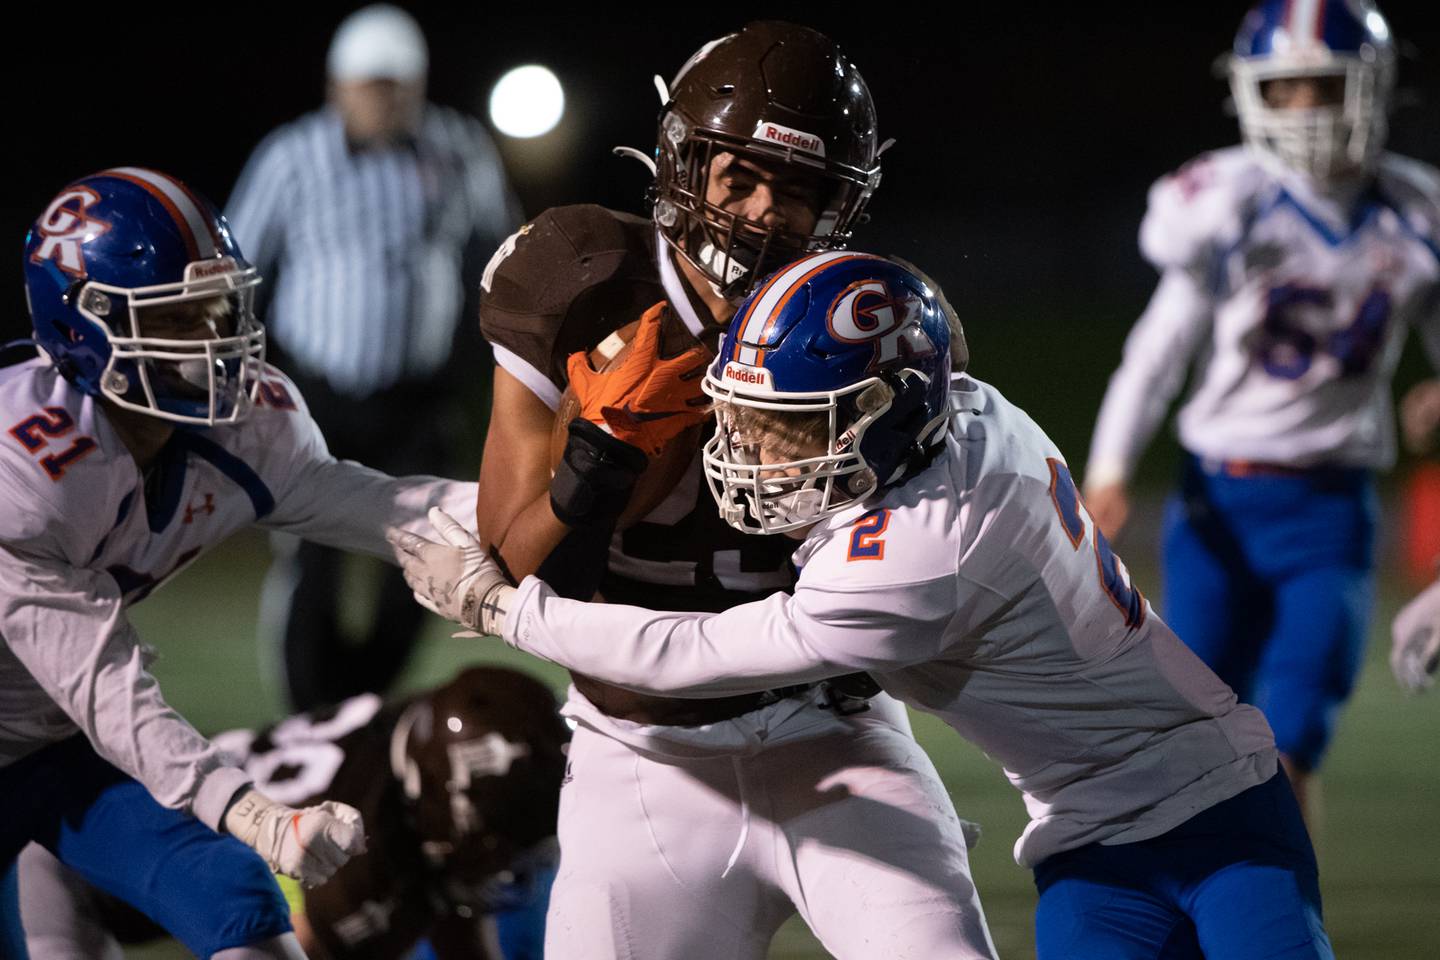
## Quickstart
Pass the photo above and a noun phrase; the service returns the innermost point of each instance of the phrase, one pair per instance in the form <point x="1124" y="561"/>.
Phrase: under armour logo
<point x="65" y="226"/>
<point x="207" y="508"/>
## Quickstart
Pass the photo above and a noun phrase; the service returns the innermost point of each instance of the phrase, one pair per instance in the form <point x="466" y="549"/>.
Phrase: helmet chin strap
<point x="797" y="506"/>
<point x="732" y="267"/>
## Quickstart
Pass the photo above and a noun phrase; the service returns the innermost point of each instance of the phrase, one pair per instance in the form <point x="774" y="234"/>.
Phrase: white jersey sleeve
<point x="820" y="631"/>
<point x="64" y="625"/>
<point x="1157" y="354"/>
<point x="339" y="503"/>
<point x="1415" y="187"/>
<point x="1194" y="214"/>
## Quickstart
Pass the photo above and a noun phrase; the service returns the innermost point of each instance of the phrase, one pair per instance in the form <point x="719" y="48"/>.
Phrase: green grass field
<point x="1380" y="852"/>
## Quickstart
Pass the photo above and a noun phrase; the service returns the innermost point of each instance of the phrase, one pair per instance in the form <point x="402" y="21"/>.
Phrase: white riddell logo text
<point x="790" y="137"/>
<point x="65" y="226"/>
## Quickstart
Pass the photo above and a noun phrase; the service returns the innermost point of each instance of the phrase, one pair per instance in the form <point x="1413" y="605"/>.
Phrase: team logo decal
<point x="65" y="226"/>
<point x="866" y="311"/>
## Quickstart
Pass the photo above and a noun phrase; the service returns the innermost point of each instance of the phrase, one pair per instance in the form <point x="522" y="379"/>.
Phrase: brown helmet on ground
<point x="774" y="93"/>
<point x="480" y="761"/>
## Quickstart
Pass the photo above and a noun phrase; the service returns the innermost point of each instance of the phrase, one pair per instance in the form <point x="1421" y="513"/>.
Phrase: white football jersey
<point x="83" y="535"/>
<point x="1296" y="305"/>
<point x="980" y="592"/>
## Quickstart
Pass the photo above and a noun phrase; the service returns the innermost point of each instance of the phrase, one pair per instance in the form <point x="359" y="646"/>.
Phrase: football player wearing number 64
<point x="946" y="552"/>
<point x="1293" y="266"/>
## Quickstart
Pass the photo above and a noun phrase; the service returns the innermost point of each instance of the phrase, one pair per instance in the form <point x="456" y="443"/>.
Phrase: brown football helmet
<point x="480" y="761"/>
<point x="776" y="93"/>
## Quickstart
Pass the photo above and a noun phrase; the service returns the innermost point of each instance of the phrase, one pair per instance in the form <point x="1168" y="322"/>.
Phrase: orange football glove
<point x="647" y="400"/>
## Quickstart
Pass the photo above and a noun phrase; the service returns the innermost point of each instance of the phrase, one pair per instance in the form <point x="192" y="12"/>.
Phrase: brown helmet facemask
<point x="778" y="94"/>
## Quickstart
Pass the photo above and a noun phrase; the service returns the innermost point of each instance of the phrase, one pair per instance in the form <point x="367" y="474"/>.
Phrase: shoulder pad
<point x="1414" y="188"/>
<point x="278" y="394"/>
<point x="565" y="281"/>
<point x="58" y="463"/>
<point x="1199" y="208"/>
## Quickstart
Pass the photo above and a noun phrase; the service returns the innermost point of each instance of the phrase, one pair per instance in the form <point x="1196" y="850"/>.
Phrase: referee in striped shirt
<point x="371" y="220"/>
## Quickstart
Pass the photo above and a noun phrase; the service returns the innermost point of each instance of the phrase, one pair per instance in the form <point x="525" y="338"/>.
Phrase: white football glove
<point x="1415" y="647"/>
<point x="309" y="844"/>
<point x="455" y="578"/>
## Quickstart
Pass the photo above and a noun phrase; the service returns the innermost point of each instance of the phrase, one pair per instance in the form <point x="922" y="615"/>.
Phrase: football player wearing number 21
<point x="1292" y="265"/>
<point x="947" y="553"/>
<point x="147" y="431"/>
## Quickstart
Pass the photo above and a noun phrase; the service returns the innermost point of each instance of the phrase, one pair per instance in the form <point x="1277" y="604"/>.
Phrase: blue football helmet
<point x="1343" y="39"/>
<point x="830" y="385"/>
<point x="138" y="294"/>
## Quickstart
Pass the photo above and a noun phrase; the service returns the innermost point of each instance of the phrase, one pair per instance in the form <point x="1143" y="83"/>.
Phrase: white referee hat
<point x="378" y="41"/>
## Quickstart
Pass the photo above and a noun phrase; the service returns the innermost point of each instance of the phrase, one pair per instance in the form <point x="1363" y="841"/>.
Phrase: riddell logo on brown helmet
<point x="790" y="137"/>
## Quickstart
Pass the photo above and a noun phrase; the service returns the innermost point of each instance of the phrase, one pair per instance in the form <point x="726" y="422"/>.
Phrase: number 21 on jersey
<point x="35" y="432"/>
<point x="1114" y="578"/>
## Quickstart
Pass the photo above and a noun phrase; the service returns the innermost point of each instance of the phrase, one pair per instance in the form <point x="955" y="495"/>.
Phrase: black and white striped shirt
<point x="367" y="250"/>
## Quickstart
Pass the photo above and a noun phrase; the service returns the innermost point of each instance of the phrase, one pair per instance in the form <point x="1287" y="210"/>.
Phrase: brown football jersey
<point x="571" y="278"/>
<point x="564" y="283"/>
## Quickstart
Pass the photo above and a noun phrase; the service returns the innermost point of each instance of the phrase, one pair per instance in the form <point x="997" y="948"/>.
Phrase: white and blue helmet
<point x="107" y="260"/>
<point x="1282" y="39"/>
<point x="861" y="340"/>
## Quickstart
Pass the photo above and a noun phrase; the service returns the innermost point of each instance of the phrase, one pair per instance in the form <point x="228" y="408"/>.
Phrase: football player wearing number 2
<point x="946" y="551"/>
<point x="1292" y="265"/>
<point x="695" y="828"/>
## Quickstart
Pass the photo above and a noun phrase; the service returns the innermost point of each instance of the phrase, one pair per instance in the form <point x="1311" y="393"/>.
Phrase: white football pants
<point x="703" y="858"/>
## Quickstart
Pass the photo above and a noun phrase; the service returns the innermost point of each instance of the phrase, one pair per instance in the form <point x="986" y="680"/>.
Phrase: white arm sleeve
<point x="755" y="646"/>
<point x="1157" y="353"/>
<point x="344" y="504"/>
<point x="67" y="627"/>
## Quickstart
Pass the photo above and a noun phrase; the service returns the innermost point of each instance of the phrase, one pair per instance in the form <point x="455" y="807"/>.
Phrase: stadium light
<point x="527" y="102"/>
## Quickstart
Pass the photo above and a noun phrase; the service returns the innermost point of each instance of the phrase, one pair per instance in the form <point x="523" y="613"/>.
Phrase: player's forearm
<point x="348" y="506"/>
<point x="746" y="649"/>
<point x="67" y="628"/>
<point x="534" y="534"/>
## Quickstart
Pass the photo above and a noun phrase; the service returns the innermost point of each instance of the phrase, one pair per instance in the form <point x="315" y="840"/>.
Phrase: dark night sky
<point x="1026" y="138"/>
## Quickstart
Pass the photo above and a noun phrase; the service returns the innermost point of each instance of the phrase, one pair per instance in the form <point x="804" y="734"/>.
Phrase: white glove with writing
<point x="309" y="844"/>
<point x="1415" y="634"/>
<point x="456" y="577"/>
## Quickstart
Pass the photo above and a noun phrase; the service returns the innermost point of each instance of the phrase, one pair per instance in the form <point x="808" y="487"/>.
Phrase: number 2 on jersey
<point x="1114" y="578"/>
<point x="866" y="538"/>
<point x="35" y="432"/>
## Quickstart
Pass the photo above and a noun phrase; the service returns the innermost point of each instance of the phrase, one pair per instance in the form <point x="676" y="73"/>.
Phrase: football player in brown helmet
<point x="695" y="828"/>
<point x="458" y="787"/>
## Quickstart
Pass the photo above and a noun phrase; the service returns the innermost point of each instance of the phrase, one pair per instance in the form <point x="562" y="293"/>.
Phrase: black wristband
<point x="595" y="475"/>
